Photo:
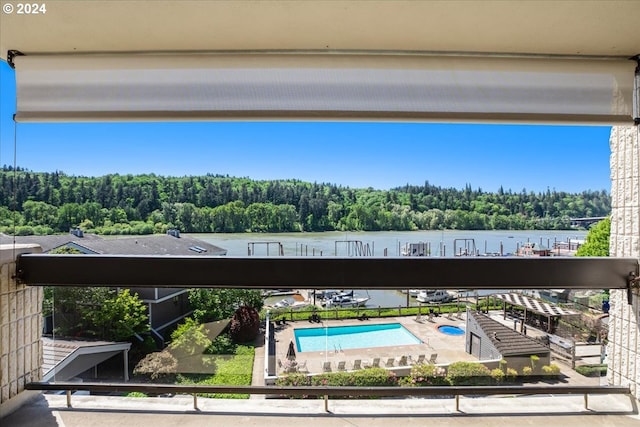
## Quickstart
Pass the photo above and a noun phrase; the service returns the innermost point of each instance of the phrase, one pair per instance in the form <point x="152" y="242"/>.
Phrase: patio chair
<point x="342" y="365"/>
<point x="374" y="364"/>
<point x="280" y="365"/>
<point x="419" y="360"/>
<point x="326" y="366"/>
<point x="302" y="367"/>
<point x="390" y="362"/>
<point x="432" y="359"/>
<point x="357" y="364"/>
<point x="402" y="361"/>
<point x="450" y="315"/>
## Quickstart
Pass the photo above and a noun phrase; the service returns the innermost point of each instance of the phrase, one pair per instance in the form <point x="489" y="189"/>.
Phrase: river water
<point x="384" y="243"/>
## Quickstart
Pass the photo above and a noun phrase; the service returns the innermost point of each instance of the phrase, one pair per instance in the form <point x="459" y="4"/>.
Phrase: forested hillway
<point x="52" y="202"/>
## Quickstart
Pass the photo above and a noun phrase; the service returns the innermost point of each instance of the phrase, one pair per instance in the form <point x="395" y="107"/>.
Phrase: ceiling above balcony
<point x="601" y="28"/>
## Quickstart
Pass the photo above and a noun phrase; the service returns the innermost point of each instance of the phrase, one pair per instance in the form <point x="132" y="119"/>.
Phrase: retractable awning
<point x="322" y="86"/>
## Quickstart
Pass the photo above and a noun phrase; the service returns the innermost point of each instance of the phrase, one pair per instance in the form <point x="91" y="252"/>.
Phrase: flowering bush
<point x="425" y="375"/>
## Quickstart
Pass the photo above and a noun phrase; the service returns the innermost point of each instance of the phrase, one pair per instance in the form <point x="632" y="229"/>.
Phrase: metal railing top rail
<point x="326" y="392"/>
<point x="328" y="272"/>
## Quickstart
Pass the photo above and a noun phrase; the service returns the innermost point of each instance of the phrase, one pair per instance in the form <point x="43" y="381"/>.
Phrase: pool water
<point x="338" y="338"/>
<point x="451" y="330"/>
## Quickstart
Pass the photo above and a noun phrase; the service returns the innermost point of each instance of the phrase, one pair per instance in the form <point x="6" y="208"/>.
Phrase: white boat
<point x="291" y="302"/>
<point x="346" y="299"/>
<point x="432" y="296"/>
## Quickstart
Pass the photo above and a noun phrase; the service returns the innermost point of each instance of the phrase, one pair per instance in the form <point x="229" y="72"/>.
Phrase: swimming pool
<point x="349" y="337"/>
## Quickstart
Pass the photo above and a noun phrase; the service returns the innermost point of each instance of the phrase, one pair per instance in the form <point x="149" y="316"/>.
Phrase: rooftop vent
<point x="77" y="232"/>
<point x="173" y="232"/>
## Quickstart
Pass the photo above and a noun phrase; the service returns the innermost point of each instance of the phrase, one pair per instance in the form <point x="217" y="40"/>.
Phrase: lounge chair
<point x="342" y="365"/>
<point x="357" y="364"/>
<point x="390" y="362"/>
<point x="374" y="364"/>
<point x="450" y="315"/>
<point x="432" y="359"/>
<point x="326" y="367"/>
<point x="419" y="360"/>
<point x="302" y="367"/>
<point x="280" y="365"/>
<point x="402" y="361"/>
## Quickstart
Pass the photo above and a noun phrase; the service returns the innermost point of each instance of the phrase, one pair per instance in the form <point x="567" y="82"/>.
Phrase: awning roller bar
<point x="500" y="273"/>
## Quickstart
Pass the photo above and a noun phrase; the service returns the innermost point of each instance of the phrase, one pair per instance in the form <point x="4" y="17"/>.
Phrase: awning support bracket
<point x="13" y="53"/>
<point x="633" y="284"/>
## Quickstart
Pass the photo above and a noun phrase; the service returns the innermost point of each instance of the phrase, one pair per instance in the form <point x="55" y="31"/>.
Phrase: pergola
<point x="535" y="306"/>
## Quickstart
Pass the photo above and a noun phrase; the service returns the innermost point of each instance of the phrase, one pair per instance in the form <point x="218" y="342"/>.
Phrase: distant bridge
<point x="586" y="222"/>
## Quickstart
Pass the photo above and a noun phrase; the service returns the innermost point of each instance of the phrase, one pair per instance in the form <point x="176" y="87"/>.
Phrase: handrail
<point x="325" y="391"/>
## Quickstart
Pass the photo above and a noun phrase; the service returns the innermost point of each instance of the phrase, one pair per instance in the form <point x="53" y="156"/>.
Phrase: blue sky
<point x="378" y="155"/>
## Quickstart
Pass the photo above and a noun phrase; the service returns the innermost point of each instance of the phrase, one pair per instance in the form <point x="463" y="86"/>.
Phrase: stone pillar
<point x="623" y="350"/>
<point x="20" y="331"/>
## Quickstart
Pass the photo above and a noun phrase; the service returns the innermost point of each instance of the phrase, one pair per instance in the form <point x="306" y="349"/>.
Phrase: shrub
<point x="503" y="365"/>
<point x="592" y="370"/>
<point x="373" y="377"/>
<point x="425" y="375"/>
<point x="527" y="371"/>
<point x="512" y="374"/>
<point x="498" y="375"/>
<point x="158" y="365"/>
<point x="190" y="338"/>
<point x="222" y="344"/>
<point x="468" y="373"/>
<point x="136" y="394"/>
<point x="534" y="361"/>
<point x="245" y="324"/>
<point x="553" y="370"/>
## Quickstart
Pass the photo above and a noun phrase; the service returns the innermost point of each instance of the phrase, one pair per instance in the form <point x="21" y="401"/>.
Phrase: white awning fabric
<point x="322" y="86"/>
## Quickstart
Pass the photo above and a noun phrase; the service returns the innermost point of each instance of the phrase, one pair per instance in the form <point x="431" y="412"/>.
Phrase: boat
<point x="293" y="302"/>
<point x="432" y="296"/>
<point x="345" y="299"/>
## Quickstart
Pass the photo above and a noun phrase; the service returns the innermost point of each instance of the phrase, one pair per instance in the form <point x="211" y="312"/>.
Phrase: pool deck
<point x="449" y="348"/>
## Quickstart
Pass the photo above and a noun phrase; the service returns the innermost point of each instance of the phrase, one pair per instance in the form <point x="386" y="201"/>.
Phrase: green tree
<point x="597" y="241"/>
<point x="120" y="317"/>
<point x="216" y="304"/>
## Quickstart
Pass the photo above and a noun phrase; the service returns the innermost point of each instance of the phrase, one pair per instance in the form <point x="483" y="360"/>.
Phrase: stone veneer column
<point x="624" y="321"/>
<point x="20" y="331"/>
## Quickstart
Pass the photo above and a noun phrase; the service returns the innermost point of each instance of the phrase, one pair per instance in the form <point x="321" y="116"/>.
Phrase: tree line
<point x="53" y="202"/>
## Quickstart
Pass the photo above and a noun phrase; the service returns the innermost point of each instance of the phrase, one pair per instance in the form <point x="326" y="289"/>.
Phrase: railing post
<point x="68" y="398"/>
<point x="586" y="401"/>
<point x="326" y="403"/>
<point x="195" y="401"/>
<point x="457" y="403"/>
